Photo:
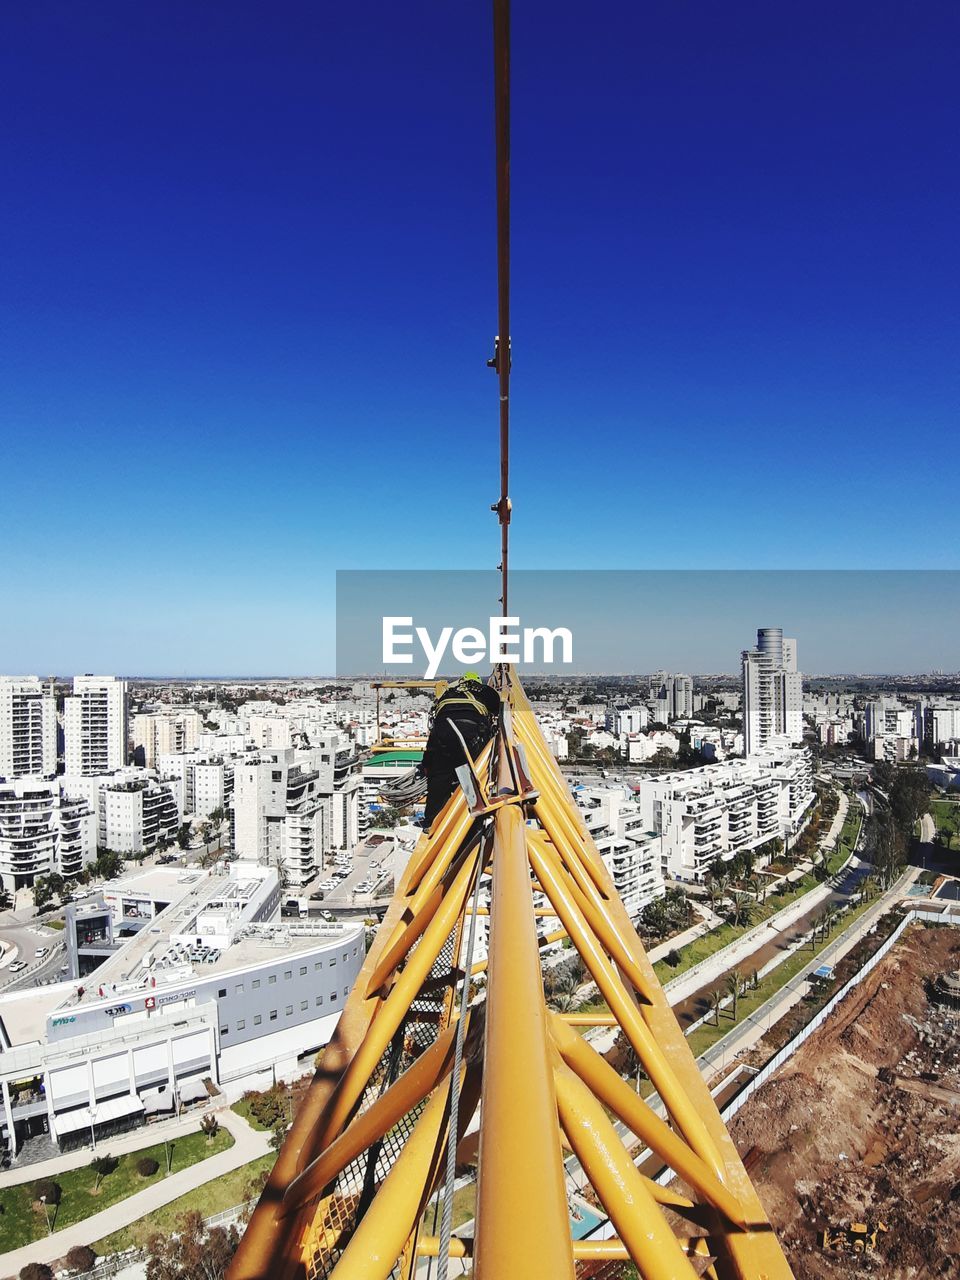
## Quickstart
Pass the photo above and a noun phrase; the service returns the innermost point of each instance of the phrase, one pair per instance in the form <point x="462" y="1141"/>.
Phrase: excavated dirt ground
<point x="829" y="1142"/>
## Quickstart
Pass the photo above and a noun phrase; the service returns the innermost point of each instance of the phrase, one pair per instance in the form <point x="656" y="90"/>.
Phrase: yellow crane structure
<point x="426" y="1073"/>
<point x="419" y="1058"/>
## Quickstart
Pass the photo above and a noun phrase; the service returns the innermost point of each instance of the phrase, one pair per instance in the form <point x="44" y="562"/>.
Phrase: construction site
<point x="853" y="1145"/>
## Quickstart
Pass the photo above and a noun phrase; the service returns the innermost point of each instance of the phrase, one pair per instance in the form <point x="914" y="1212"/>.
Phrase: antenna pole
<point x="501" y="354"/>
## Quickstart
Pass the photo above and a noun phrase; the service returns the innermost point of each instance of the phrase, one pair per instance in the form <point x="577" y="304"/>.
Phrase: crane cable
<point x="501" y="354"/>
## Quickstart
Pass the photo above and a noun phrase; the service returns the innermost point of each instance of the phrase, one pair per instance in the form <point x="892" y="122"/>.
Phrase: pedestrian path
<point x="249" y="1144"/>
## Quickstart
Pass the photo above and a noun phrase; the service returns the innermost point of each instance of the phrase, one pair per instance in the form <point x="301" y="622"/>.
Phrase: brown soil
<point x="831" y="1143"/>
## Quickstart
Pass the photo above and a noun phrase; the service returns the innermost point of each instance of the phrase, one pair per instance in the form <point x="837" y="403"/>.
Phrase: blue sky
<point x="249" y="290"/>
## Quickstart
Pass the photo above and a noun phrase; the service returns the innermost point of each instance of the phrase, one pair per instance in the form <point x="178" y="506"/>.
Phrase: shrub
<point x="147" y="1167"/>
<point x="210" y="1125"/>
<point x="672" y="958"/>
<point x="36" y="1271"/>
<point x="81" y="1258"/>
<point x="49" y="1191"/>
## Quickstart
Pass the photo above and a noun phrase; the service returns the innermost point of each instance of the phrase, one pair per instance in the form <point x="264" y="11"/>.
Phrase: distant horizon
<point x="452" y="675"/>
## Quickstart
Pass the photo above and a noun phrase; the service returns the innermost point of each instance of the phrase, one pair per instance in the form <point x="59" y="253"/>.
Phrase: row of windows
<point x="287" y="1013"/>
<point x="288" y="973"/>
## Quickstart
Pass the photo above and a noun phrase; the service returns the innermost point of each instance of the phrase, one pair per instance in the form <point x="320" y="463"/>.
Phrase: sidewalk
<point x="248" y="1145"/>
<point x="144" y="1136"/>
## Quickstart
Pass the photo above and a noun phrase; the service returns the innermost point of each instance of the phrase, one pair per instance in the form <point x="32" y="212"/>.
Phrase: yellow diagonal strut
<point x="354" y="1190"/>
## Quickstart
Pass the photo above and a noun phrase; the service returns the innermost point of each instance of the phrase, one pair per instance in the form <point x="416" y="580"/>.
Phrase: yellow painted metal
<point x="555" y="936"/>
<point x="391" y="1012"/>
<point x="410" y="1089"/>
<point x="615" y="1093"/>
<point x="530" y="1071"/>
<point x="626" y="1012"/>
<point x="383" y="1231"/>
<point x="640" y="1224"/>
<point x="519" y="1143"/>
<point x="588" y="1020"/>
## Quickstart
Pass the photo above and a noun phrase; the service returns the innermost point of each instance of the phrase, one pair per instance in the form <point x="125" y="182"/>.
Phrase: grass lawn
<point x="242" y="1108"/>
<point x="20" y="1222"/>
<point x="947" y="818"/>
<point x="213" y="1197"/>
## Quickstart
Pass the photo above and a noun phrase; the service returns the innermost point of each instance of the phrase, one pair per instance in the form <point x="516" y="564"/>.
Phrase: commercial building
<point x="772" y="693"/>
<point x="28" y="728"/>
<point x="719" y="810"/>
<point x="95" y="726"/>
<point x="211" y="992"/>
<point x="41" y="832"/>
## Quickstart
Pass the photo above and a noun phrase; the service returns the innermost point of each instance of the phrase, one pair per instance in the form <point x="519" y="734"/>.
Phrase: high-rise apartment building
<point x="772" y="693"/>
<point x="95" y="726"/>
<point x="161" y="734"/>
<point x="28" y="728"/>
<point x="41" y="831"/>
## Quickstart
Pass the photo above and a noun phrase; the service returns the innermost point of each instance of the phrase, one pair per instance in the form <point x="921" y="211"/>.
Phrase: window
<point x="303" y="969"/>
<point x="224" y="1031"/>
<point x="318" y="965"/>
<point x="257" y="1019"/>
<point x="303" y="1004"/>
<point x="288" y="973"/>
<point x="238" y="989"/>
<point x="333" y="960"/>
<point x="272" y="979"/>
<point x="333" y="996"/>
<point x="344" y="957"/>
<point x="288" y="1011"/>
<point x="222" y="992"/>
<point x="319" y="1000"/>
<point x="354" y="950"/>
<point x="241" y="1023"/>
<point x="273" y="1015"/>
<point x="256" y="984"/>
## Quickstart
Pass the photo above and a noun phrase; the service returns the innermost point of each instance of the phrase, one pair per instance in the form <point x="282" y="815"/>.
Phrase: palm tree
<point x="717" y="998"/>
<point x="741" y="905"/>
<point x="562" y="991"/>
<point x="734" y="981"/>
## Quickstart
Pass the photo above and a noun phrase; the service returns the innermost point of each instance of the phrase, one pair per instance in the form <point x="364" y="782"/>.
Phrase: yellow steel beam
<point x="519" y="1143"/>
<point x="615" y="1093"/>
<point x="404" y="1094"/>
<point x="641" y="1226"/>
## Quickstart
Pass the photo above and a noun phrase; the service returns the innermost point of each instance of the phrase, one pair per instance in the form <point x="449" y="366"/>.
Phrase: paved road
<point x="248" y="1145"/>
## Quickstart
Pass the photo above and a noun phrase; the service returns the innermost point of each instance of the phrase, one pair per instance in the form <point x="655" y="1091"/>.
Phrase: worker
<point x="473" y="707"/>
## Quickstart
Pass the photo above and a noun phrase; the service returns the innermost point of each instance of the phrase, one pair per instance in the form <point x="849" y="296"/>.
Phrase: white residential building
<point x="772" y="693"/>
<point x="631" y="852"/>
<point x="206" y="781"/>
<point x="95" y="726"/>
<point x="42" y="832"/>
<point x="292" y="807"/>
<point x="136" y="814"/>
<point x="720" y="809"/>
<point x="28" y="728"/>
<point x="165" y="733"/>
<point x="940" y="724"/>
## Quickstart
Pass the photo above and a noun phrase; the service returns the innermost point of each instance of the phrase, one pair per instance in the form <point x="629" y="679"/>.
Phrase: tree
<point x="36" y="1271"/>
<point x="735" y="986"/>
<point x="717" y="998"/>
<point x="102" y="1166"/>
<point x="81" y="1258"/>
<point x="48" y="1191"/>
<point x="108" y="865"/>
<point x="210" y="1126"/>
<point x="183" y="835"/>
<point x="191" y="1252"/>
<point x="147" y="1167"/>
<point x="741" y="908"/>
<point x="909" y="797"/>
<point x="563" y="995"/>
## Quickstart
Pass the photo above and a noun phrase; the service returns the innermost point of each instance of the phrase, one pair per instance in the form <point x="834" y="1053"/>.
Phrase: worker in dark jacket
<point x="473" y="707"/>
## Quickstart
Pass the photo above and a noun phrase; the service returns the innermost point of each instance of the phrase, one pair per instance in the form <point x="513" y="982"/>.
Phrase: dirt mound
<point x="861" y="1125"/>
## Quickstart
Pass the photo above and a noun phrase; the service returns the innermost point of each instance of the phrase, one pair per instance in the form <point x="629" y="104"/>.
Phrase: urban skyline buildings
<point x="28" y="728"/>
<point x="95" y="726"/>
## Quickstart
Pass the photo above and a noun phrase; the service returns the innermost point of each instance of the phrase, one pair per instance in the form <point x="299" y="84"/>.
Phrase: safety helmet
<point x="471" y="675"/>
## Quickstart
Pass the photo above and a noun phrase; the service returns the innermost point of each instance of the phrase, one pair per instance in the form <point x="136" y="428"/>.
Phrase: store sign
<point x="175" y="996"/>
<point x="118" y="1010"/>
<point x="62" y="1022"/>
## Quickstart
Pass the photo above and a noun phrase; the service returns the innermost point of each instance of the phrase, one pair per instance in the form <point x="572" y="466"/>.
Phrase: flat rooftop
<point x="166" y="950"/>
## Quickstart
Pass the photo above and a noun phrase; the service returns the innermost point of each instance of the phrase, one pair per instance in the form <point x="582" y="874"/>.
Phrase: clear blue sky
<point x="249" y="290"/>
